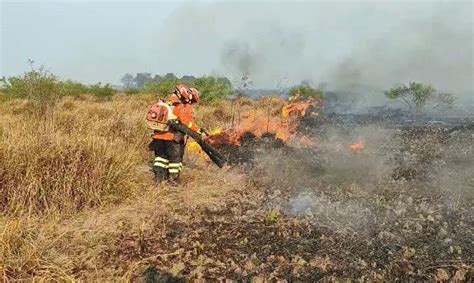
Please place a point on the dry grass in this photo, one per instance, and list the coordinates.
(80, 155)
(87, 245)
(71, 180)
(78, 203)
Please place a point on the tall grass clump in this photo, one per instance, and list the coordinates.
(29, 252)
(86, 155)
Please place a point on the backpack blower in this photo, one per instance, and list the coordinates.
(213, 154)
(160, 118)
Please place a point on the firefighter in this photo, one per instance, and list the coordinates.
(168, 144)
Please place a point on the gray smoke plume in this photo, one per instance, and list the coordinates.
(434, 47)
(356, 46)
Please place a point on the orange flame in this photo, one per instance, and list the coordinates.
(259, 122)
(357, 146)
(297, 109)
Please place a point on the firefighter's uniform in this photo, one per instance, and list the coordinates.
(169, 146)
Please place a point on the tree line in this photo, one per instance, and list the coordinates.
(45, 88)
(212, 88)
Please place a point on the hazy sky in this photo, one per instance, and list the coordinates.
(375, 43)
(87, 41)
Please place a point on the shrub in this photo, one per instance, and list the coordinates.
(72, 88)
(162, 88)
(39, 86)
(132, 91)
(305, 91)
(103, 92)
(213, 88)
(44, 89)
(3, 82)
(416, 96)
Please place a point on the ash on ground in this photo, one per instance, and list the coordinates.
(410, 188)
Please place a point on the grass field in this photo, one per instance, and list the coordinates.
(73, 180)
(78, 202)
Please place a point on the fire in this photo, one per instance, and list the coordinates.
(357, 146)
(193, 147)
(258, 122)
(298, 109)
(276, 117)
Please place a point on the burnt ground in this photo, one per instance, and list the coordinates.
(400, 209)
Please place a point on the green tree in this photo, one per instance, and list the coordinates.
(417, 95)
(127, 81)
(142, 78)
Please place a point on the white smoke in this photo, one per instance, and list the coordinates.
(368, 45)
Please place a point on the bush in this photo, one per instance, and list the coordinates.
(213, 89)
(103, 92)
(72, 88)
(416, 96)
(44, 89)
(161, 88)
(305, 91)
(39, 86)
(132, 91)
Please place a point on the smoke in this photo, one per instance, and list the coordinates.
(264, 47)
(358, 49)
(375, 187)
(348, 46)
(338, 213)
(331, 183)
(434, 47)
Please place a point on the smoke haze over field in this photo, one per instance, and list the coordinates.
(343, 44)
(346, 45)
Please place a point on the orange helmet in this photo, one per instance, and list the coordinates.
(195, 95)
(182, 92)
